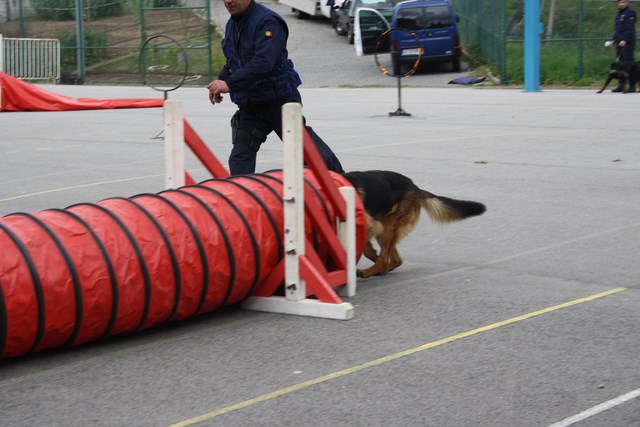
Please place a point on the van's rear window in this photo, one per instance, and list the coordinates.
(424, 18)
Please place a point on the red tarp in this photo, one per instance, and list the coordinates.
(17, 95)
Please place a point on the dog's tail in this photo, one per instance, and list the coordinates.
(444, 210)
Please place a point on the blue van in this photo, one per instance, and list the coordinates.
(431, 22)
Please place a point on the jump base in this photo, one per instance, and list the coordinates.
(305, 307)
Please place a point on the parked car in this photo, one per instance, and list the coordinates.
(370, 26)
(304, 9)
(432, 23)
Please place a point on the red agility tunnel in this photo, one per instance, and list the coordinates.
(91, 271)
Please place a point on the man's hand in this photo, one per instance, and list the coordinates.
(216, 89)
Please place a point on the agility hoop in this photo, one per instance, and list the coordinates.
(164, 63)
(416, 64)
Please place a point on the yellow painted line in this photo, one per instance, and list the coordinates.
(338, 374)
(91, 184)
(75, 187)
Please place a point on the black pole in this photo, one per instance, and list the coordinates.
(400, 111)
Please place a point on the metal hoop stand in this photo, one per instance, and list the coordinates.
(400, 112)
(143, 70)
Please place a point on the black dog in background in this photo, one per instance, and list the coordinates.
(623, 72)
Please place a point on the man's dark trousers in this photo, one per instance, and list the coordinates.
(250, 126)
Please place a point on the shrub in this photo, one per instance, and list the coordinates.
(65, 10)
(166, 3)
(95, 47)
(54, 10)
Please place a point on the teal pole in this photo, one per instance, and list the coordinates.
(581, 42)
(80, 39)
(21, 15)
(532, 30)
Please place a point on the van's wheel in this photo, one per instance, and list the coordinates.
(350, 34)
(455, 65)
(300, 14)
(334, 18)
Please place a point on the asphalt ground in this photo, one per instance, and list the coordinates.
(525, 316)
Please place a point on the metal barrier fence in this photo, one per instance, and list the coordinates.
(30, 59)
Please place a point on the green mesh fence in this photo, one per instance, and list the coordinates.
(572, 43)
(113, 32)
(482, 30)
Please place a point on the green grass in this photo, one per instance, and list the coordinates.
(564, 60)
(562, 64)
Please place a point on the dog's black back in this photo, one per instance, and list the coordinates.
(387, 186)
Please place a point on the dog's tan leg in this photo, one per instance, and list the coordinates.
(396, 261)
(379, 265)
(387, 241)
(396, 225)
(374, 229)
(370, 252)
(377, 269)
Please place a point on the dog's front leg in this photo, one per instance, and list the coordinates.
(606, 83)
(384, 262)
(370, 252)
(379, 266)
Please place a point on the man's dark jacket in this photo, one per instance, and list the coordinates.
(625, 25)
(258, 70)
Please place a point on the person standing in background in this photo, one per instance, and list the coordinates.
(624, 40)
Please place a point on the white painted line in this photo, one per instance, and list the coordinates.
(597, 409)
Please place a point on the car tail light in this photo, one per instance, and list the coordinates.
(456, 41)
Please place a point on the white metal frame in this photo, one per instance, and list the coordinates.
(295, 300)
(173, 144)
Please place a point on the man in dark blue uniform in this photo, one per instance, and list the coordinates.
(624, 40)
(260, 79)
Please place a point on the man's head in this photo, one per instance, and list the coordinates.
(237, 7)
(621, 4)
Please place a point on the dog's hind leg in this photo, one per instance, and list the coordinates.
(382, 263)
(370, 252)
(396, 225)
(386, 239)
(396, 261)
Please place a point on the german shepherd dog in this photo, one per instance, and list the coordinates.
(393, 204)
(623, 71)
